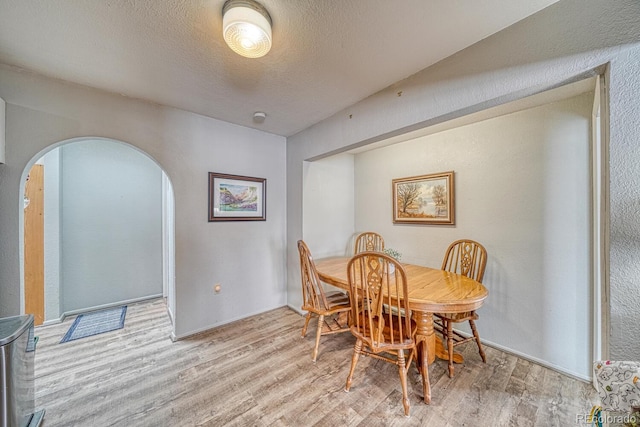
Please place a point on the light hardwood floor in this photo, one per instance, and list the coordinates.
(258, 372)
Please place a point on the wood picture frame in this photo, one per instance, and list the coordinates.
(425, 199)
(237, 198)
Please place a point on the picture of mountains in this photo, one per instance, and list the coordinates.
(236, 198)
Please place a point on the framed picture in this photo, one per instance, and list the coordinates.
(237, 198)
(425, 199)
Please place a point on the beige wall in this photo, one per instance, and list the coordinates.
(328, 204)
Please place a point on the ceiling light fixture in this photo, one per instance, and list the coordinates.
(246, 27)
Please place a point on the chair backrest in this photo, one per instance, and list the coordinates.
(368, 241)
(313, 297)
(377, 301)
(466, 257)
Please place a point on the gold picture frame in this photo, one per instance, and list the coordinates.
(425, 199)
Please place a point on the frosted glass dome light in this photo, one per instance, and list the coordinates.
(246, 27)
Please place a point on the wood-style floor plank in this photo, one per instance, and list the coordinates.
(258, 372)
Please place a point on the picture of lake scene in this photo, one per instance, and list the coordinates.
(426, 199)
(423, 200)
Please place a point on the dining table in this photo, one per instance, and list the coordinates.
(431, 291)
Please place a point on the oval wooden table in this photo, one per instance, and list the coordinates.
(430, 291)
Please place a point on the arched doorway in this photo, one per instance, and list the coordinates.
(107, 229)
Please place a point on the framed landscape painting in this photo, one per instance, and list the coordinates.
(237, 198)
(425, 199)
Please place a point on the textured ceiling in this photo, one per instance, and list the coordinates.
(326, 55)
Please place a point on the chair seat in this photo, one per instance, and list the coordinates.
(387, 331)
(618, 384)
(337, 299)
(459, 317)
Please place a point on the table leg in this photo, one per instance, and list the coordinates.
(424, 371)
(429, 347)
(426, 342)
(435, 347)
(425, 333)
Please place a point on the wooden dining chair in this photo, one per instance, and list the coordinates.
(382, 334)
(469, 258)
(368, 241)
(326, 305)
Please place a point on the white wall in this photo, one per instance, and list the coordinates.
(328, 211)
(522, 190)
(562, 43)
(51, 162)
(3, 106)
(328, 205)
(247, 258)
(111, 206)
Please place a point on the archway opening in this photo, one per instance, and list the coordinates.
(106, 236)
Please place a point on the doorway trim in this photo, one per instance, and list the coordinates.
(33, 232)
(600, 218)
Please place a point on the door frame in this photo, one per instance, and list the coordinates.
(600, 218)
(34, 254)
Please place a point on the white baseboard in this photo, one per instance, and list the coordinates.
(524, 356)
(175, 337)
(297, 310)
(96, 308)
